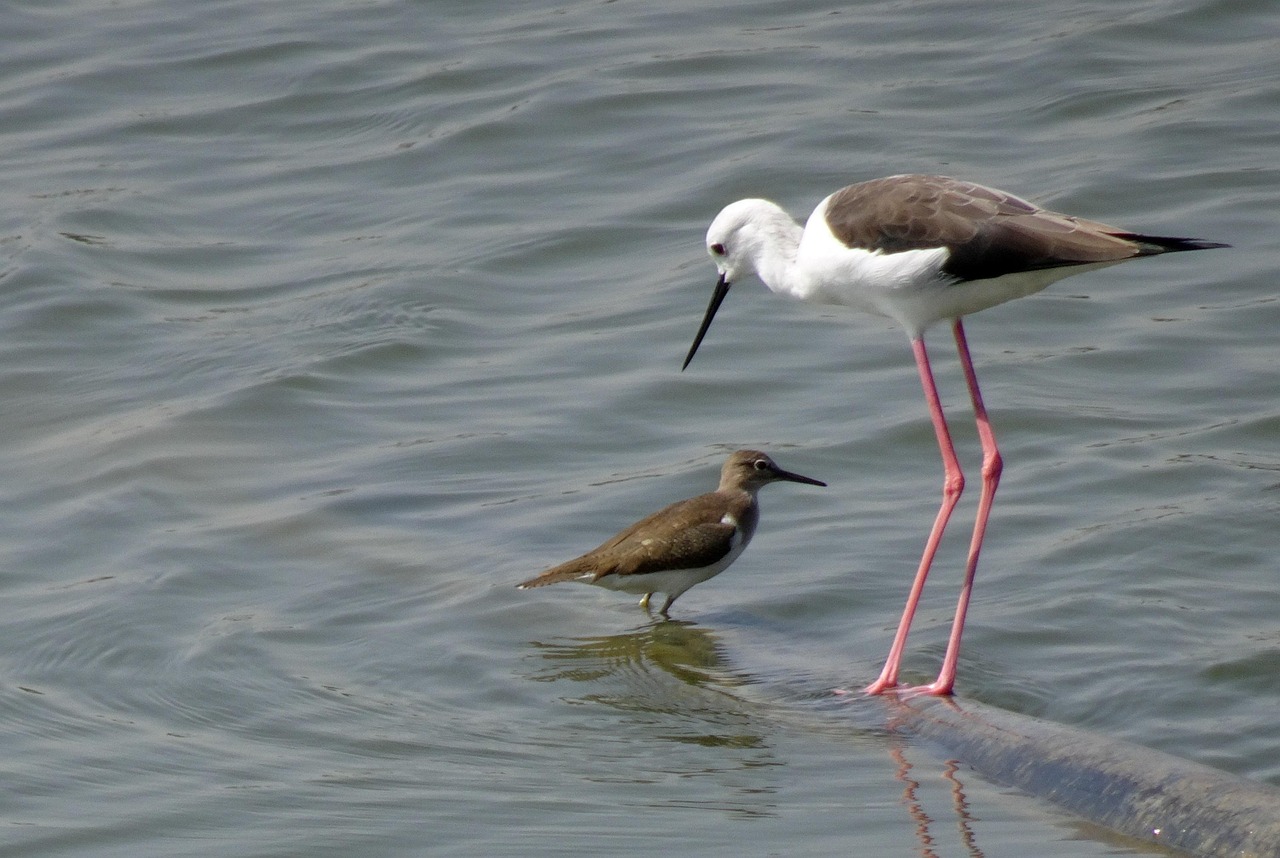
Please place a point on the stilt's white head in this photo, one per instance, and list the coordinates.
(745, 235)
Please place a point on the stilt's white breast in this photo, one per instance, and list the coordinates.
(831, 272)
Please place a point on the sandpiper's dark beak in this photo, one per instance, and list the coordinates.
(717, 298)
(780, 474)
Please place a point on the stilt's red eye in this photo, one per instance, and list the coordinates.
(717, 249)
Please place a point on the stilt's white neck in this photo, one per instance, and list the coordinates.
(766, 243)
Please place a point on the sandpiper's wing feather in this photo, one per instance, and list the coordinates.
(692, 529)
(696, 546)
(989, 233)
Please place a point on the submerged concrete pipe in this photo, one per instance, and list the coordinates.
(1136, 791)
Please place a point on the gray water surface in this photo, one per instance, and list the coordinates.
(324, 324)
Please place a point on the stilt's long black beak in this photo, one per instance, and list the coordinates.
(717, 298)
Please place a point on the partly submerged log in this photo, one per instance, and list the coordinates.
(1136, 791)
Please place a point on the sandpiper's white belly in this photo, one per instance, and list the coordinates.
(672, 581)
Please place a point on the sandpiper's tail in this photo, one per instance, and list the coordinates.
(574, 570)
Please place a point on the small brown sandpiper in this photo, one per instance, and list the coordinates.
(685, 543)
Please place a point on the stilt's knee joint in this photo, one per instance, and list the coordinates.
(992, 467)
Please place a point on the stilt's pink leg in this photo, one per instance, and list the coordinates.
(952, 486)
(992, 465)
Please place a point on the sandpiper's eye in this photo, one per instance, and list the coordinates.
(760, 465)
(717, 249)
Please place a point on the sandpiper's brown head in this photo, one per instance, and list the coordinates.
(751, 470)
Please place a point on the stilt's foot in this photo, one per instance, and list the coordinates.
(890, 686)
(880, 686)
(933, 689)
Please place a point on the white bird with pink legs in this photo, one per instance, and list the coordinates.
(921, 250)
